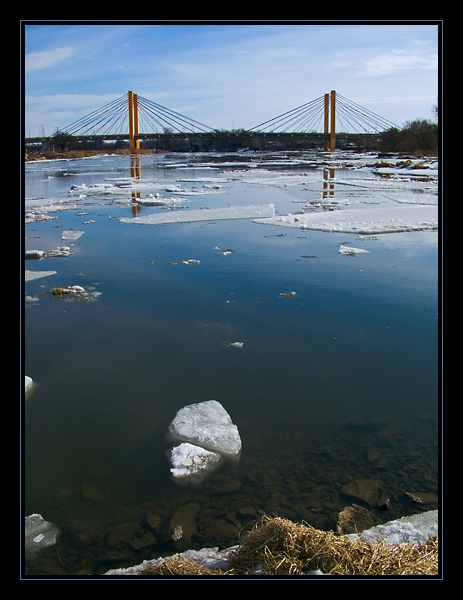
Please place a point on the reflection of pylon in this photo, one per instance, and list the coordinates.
(133, 122)
(330, 144)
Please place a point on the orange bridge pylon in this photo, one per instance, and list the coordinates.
(133, 122)
(329, 143)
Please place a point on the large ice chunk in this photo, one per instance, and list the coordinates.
(208, 425)
(38, 535)
(191, 464)
(415, 529)
(205, 214)
(364, 220)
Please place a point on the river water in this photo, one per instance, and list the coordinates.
(336, 381)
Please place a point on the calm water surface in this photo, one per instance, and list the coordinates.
(334, 384)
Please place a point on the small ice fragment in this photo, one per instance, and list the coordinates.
(236, 344)
(34, 254)
(349, 251)
(28, 385)
(71, 235)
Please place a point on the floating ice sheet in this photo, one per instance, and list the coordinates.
(205, 214)
(208, 425)
(71, 235)
(363, 220)
(31, 275)
(158, 200)
(350, 251)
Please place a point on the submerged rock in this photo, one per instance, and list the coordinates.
(368, 490)
(182, 525)
(355, 518)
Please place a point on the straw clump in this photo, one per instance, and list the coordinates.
(281, 547)
(180, 565)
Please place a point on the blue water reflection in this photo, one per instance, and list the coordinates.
(346, 364)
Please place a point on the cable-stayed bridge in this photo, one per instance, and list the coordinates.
(134, 118)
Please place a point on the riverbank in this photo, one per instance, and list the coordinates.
(73, 154)
(280, 547)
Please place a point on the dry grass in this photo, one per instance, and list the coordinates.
(181, 565)
(281, 547)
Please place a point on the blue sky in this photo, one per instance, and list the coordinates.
(228, 75)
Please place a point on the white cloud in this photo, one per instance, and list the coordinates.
(65, 101)
(397, 61)
(36, 61)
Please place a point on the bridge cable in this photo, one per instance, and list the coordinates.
(87, 122)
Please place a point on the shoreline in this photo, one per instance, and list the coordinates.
(409, 534)
(76, 154)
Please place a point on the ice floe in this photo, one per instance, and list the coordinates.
(192, 464)
(71, 235)
(204, 435)
(236, 344)
(363, 220)
(31, 275)
(28, 386)
(208, 425)
(350, 251)
(415, 529)
(37, 209)
(204, 214)
(158, 200)
(38, 535)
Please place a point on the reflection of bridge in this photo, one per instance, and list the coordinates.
(134, 118)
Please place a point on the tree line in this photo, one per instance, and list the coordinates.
(416, 137)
